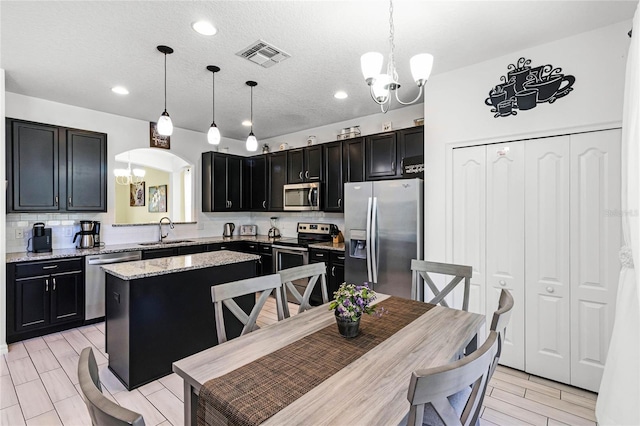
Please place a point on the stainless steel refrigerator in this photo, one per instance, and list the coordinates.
(383, 232)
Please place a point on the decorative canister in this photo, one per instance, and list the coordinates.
(311, 140)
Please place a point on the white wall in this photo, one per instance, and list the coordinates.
(455, 112)
(3, 202)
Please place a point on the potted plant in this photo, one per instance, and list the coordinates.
(350, 302)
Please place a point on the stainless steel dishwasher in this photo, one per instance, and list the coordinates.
(95, 279)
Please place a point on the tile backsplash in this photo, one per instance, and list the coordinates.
(64, 226)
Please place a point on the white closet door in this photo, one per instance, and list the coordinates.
(547, 260)
(595, 242)
(469, 243)
(505, 242)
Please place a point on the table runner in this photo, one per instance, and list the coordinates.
(256, 391)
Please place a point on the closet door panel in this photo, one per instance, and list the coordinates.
(469, 221)
(547, 263)
(595, 243)
(505, 242)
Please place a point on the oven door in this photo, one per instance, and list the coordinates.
(290, 257)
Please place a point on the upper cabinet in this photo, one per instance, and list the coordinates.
(385, 153)
(333, 182)
(353, 160)
(221, 182)
(55, 169)
(255, 183)
(304, 164)
(277, 169)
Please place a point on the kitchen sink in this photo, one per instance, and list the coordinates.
(164, 243)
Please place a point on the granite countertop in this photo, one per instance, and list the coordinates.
(328, 246)
(118, 248)
(170, 265)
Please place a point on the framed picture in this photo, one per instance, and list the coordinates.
(158, 199)
(136, 194)
(156, 140)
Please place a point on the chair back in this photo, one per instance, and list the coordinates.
(420, 270)
(223, 294)
(314, 272)
(102, 410)
(500, 321)
(468, 376)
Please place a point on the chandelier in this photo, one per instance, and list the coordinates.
(128, 176)
(381, 85)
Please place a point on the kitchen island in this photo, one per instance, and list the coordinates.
(160, 310)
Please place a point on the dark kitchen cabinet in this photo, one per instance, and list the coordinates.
(410, 144)
(333, 185)
(200, 248)
(277, 168)
(304, 165)
(255, 183)
(266, 259)
(221, 182)
(353, 160)
(380, 156)
(86, 171)
(55, 169)
(336, 272)
(44, 297)
(158, 253)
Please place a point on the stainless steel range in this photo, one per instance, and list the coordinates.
(291, 252)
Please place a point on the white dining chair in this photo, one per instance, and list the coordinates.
(420, 270)
(314, 272)
(500, 321)
(223, 294)
(102, 411)
(452, 394)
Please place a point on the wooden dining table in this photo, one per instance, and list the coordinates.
(371, 389)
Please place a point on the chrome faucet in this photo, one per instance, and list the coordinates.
(162, 237)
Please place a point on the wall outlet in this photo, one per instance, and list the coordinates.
(68, 231)
(19, 234)
(386, 126)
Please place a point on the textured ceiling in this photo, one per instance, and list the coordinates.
(74, 52)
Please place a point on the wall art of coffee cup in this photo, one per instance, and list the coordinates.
(495, 98)
(550, 85)
(505, 108)
(526, 99)
(509, 87)
(519, 77)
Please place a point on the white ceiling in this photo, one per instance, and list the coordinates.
(74, 52)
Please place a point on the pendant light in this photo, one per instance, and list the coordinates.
(165, 126)
(213, 136)
(252, 142)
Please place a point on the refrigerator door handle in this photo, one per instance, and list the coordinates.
(368, 242)
(374, 238)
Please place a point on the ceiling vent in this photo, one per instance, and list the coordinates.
(263, 54)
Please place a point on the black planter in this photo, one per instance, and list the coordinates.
(347, 327)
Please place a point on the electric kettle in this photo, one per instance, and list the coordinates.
(228, 229)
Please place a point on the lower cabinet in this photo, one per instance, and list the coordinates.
(45, 297)
(334, 260)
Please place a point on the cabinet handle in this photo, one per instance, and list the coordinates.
(393, 165)
(402, 165)
(46, 284)
(339, 202)
(319, 255)
(56, 200)
(550, 289)
(341, 257)
(502, 283)
(300, 175)
(230, 204)
(50, 267)
(223, 248)
(264, 204)
(333, 271)
(306, 174)
(70, 203)
(54, 284)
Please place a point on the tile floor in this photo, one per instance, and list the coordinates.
(39, 386)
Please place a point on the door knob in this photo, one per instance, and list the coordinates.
(550, 289)
(502, 283)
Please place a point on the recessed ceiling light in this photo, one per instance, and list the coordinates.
(246, 123)
(204, 28)
(120, 90)
(340, 95)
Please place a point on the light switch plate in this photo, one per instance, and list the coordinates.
(386, 126)
(19, 233)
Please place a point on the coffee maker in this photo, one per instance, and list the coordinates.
(41, 239)
(86, 235)
(96, 233)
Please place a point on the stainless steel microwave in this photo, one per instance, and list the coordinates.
(302, 197)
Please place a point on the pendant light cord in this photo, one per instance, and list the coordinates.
(251, 109)
(165, 82)
(213, 97)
